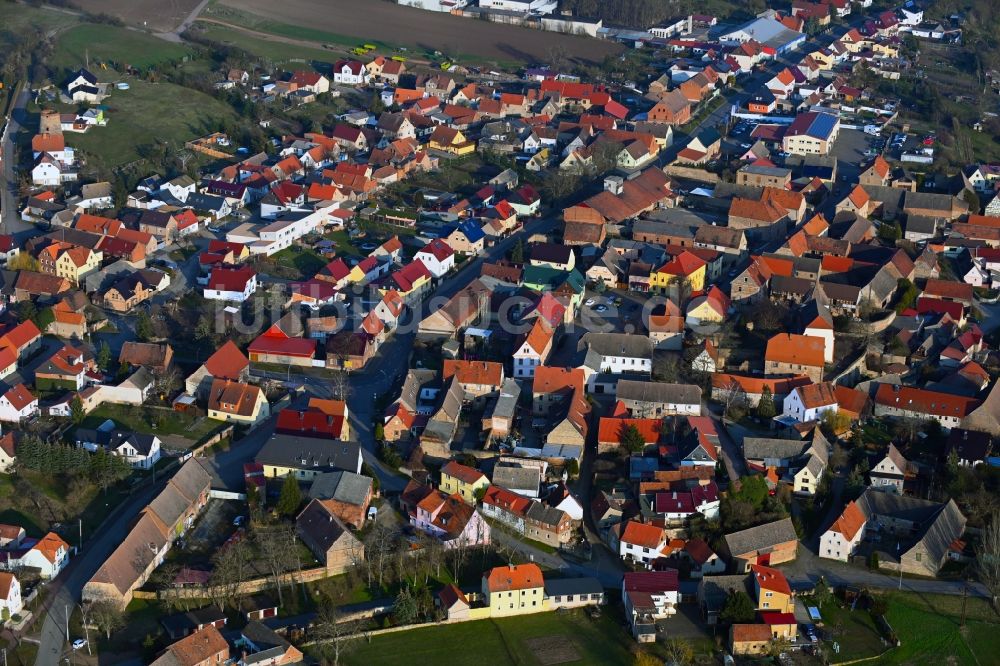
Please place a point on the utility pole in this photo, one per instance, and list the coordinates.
(66, 607)
(80, 522)
(965, 599)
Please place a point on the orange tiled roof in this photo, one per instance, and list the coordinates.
(643, 534)
(850, 521)
(797, 349)
(486, 373)
(514, 577)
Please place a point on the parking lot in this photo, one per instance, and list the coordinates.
(853, 149)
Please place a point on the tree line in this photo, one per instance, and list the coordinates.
(102, 468)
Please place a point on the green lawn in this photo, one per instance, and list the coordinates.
(499, 642)
(107, 43)
(146, 113)
(152, 421)
(855, 631)
(299, 262)
(345, 246)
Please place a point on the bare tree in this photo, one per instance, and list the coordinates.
(276, 551)
(340, 385)
(379, 547)
(733, 399)
(334, 634)
(678, 652)
(988, 558)
(233, 566)
(107, 615)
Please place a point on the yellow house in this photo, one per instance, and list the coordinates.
(410, 279)
(515, 590)
(237, 402)
(463, 481)
(710, 308)
(885, 49)
(451, 140)
(823, 58)
(685, 267)
(771, 590)
(72, 262)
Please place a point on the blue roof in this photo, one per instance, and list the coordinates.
(472, 231)
(822, 125)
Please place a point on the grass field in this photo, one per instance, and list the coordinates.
(153, 14)
(500, 642)
(109, 43)
(273, 51)
(20, 18)
(145, 113)
(928, 627)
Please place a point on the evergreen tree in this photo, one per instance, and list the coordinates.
(76, 411)
(144, 326)
(632, 440)
(517, 253)
(104, 357)
(738, 608)
(290, 498)
(765, 407)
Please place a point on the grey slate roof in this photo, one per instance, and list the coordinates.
(760, 537)
(516, 478)
(346, 487)
(319, 455)
(620, 344)
(658, 392)
(565, 586)
(759, 448)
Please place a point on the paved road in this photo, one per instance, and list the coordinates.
(65, 590)
(11, 222)
(175, 34)
(809, 567)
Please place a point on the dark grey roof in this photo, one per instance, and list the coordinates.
(346, 487)
(786, 284)
(564, 586)
(620, 344)
(759, 448)
(658, 392)
(319, 528)
(318, 455)
(513, 477)
(922, 224)
(268, 643)
(713, 590)
(760, 537)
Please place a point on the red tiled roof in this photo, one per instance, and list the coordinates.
(228, 362)
(770, 579)
(922, 401)
(514, 577)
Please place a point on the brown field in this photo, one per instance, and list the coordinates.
(552, 650)
(159, 15)
(395, 24)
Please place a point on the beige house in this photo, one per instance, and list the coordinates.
(237, 402)
(328, 538)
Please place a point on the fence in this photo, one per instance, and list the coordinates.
(251, 586)
(213, 439)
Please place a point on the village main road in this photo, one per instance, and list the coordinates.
(11, 222)
(64, 591)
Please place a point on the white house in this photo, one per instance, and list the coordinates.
(350, 72)
(889, 474)
(641, 542)
(180, 187)
(806, 480)
(840, 541)
(649, 596)
(231, 284)
(438, 257)
(809, 402)
(10, 596)
(620, 353)
(50, 172)
(141, 451)
(535, 349)
(18, 404)
(49, 555)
